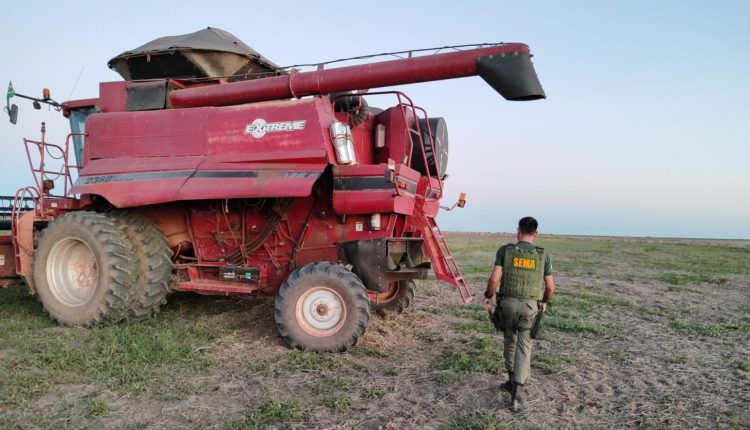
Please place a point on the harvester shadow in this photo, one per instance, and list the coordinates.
(251, 317)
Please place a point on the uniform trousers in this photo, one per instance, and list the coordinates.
(518, 315)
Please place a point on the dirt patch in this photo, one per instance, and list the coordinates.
(634, 339)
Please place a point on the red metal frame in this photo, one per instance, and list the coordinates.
(40, 173)
(302, 236)
(325, 81)
(46, 206)
(418, 133)
(274, 199)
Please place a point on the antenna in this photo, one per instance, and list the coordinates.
(76, 84)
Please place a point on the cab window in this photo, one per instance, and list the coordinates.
(78, 125)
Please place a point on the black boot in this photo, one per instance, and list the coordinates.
(515, 397)
(508, 385)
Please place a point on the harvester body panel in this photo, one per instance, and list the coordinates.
(149, 157)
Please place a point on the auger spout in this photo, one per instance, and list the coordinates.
(507, 68)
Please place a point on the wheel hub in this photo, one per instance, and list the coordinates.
(321, 311)
(388, 294)
(72, 271)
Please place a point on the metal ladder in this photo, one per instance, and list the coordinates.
(446, 268)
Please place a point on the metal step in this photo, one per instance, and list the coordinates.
(207, 286)
(446, 268)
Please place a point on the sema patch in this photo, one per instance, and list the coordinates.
(524, 263)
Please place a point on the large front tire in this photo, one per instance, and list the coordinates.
(322, 307)
(84, 270)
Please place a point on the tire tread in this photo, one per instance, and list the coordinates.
(114, 305)
(360, 311)
(153, 262)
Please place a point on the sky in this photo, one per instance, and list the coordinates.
(645, 131)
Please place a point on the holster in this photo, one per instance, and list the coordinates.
(536, 328)
(497, 315)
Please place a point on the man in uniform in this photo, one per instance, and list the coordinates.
(526, 273)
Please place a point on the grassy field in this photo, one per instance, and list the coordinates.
(650, 333)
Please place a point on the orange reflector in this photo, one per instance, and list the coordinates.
(461, 200)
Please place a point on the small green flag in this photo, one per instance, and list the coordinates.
(11, 91)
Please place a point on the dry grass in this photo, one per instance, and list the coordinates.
(643, 333)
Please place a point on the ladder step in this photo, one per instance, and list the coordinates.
(449, 272)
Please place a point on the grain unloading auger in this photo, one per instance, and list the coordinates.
(209, 169)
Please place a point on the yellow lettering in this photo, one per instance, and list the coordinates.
(524, 263)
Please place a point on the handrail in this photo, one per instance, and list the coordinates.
(405, 103)
(42, 173)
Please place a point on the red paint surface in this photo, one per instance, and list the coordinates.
(215, 190)
(7, 258)
(374, 75)
(205, 140)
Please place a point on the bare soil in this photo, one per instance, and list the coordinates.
(642, 333)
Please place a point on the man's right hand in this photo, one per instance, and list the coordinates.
(488, 304)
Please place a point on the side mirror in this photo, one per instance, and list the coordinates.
(13, 114)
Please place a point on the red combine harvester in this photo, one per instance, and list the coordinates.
(210, 169)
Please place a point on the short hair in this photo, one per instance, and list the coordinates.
(527, 225)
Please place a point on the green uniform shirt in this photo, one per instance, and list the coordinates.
(500, 258)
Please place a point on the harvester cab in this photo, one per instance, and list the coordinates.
(211, 169)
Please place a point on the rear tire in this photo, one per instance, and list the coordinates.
(436, 160)
(153, 262)
(84, 270)
(322, 307)
(397, 298)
